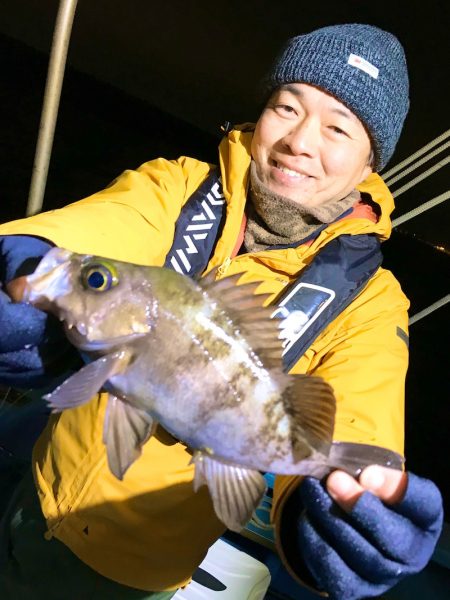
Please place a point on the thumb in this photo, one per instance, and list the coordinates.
(388, 484)
(16, 287)
(344, 489)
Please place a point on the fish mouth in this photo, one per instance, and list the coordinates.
(81, 341)
(49, 279)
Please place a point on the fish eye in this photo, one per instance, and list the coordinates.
(99, 277)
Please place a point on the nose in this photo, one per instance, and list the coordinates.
(302, 138)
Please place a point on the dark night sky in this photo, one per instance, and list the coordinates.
(202, 62)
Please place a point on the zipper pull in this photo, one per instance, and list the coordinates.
(224, 266)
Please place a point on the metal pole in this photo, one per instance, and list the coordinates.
(417, 164)
(427, 311)
(55, 75)
(410, 159)
(421, 177)
(420, 209)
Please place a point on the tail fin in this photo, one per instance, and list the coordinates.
(353, 458)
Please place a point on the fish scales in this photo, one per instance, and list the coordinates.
(201, 358)
(183, 377)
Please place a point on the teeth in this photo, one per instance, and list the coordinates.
(82, 328)
(290, 172)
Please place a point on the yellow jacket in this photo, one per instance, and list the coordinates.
(151, 530)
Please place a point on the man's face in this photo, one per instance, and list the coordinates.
(309, 147)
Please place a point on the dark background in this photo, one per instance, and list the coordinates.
(147, 79)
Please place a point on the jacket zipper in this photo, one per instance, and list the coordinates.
(224, 266)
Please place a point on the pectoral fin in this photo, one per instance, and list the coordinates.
(125, 430)
(235, 491)
(85, 383)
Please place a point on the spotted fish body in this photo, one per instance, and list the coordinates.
(202, 358)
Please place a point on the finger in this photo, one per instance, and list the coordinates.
(16, 287)
(344, 489)
(21, 325)
(330, 570)
(396, 536)
(422, 504)
(333, 548)
(388, 484)
(370, 531)
(21, 369)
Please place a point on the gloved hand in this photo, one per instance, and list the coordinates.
(33, 348)
(368, 546)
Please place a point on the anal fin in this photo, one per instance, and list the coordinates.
(235, 491)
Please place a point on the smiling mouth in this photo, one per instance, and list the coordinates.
(290, 172)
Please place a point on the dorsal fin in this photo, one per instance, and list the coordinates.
(207, 279)
(209, 282)
(311, 405)
(246, 310)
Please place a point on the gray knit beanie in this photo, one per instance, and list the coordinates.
(363, 67)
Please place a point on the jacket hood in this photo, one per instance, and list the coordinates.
(235, 157)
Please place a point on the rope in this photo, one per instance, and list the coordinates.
(427, 311)
(420, 209)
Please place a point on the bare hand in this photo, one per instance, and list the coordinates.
(15, 288)
(388, 484)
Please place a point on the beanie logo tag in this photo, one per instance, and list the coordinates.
(361, 63)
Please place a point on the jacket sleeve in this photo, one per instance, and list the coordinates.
(364, 356)
(133, 219)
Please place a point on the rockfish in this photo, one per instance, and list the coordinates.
(202, 358)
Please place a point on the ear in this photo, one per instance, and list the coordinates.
(365, 173)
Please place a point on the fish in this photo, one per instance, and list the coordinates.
(200, 357)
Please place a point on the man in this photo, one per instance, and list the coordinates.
(294, 185)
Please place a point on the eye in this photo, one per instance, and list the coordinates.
(285, 110)
(338, 130)
(99, 277)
